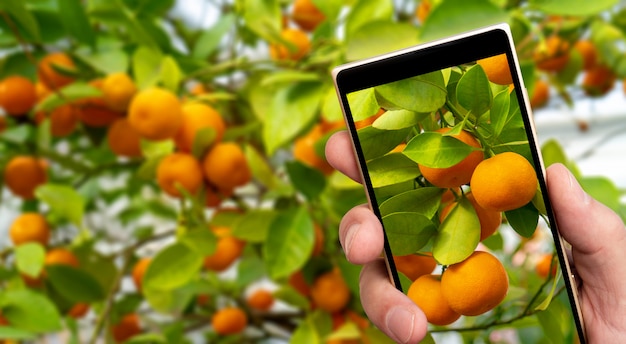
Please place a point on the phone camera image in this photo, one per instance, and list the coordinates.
(451, 168)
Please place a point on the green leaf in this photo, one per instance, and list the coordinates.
(91, 260)
(423, 93)
(573, 7)
(309, 181)
(292, 109)
(292, 297)
(76, 22)
(254, 225)
(200, 239)
(31, 311)
(202, 141)
(423, 201)
(146, 66)
(170, 74)
(399, 119)
(551, 324)
(209, 40)
(500, 112)
(72, 92)
(524, 220)
(473, 91)
(553, 153)
(373, 39)
(73, 284)
(391, 169)
(261, 169)
(17, 9)
(435, 150)
(331, 109)
(455, 16)
(366, 11)
(375, 142)
(363, 104)
(170, 301)
(29, 258)
(289, 242)
(459, 234)
(408, 232)
(7, 332)
(603, 190)
(172, 267)
(63, 201)
(263, 17)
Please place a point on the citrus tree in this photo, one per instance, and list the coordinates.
(166, 183)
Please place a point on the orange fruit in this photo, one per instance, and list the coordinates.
(306, 15)
(261, 300)
(475, 285)
(298, 46)
(228, 250)
(118, 90)
(61, 256)
(30, 227)
(179, 170)
(23, 174)
(156, 114)
(504, 182)
(304, 150)
(415, 265)
(427, 293)
(541, 94)
(369, 120)
(545, 266)
(128, 326)
(598, 80)
(459, 174)
(553, 55)
(489, 220)
(41, 90)
(299, 283)
(94, 111)
(423, 10)
(123, 139)
(225, 166)
(229, 320)
(17, 95)
(79, 310)
(449, 196)
(589, 53)
(49, 76)
(139, 270)
(198, 116)
(330, 292)
(63, 120)
(497, 69)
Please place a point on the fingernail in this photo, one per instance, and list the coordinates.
(350, 235)
(400, 323)
(577, 190)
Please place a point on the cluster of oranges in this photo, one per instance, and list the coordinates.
(503, 182)
(31, 227)
(295, 42)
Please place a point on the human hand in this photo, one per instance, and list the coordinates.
(361, 237)
(596, 233)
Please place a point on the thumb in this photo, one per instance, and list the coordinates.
(596, 233)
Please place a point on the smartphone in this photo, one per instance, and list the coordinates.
(445, 141)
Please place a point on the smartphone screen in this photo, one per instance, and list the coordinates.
(446, 145)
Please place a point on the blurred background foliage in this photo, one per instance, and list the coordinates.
(263, 67)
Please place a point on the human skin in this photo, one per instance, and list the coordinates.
(596, 233)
